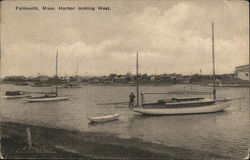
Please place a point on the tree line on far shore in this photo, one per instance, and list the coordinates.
(129, 78)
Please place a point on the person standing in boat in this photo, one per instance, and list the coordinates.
(131, 100)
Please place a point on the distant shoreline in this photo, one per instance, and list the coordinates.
(241, 85)
(60, 143)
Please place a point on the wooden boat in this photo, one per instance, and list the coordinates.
(48, 97)
(15, 94)
(184, 105)
(104, 118)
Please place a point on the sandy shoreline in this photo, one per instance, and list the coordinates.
(60, 143)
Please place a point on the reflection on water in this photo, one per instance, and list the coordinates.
(224, 133)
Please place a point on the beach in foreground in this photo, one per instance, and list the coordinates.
(60, 143)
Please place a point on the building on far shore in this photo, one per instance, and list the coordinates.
(43, 78)
(242, 72)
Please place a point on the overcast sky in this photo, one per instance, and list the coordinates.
(170, 36)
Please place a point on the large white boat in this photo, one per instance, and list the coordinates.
(185, 109)
(48, 97)
(186, 105)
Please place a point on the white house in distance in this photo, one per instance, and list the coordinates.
(242, 72)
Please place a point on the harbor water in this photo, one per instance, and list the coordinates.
(225, 133)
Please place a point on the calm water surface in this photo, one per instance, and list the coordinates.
(225, 133)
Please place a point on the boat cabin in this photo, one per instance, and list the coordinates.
(180, 99)
(14, 93)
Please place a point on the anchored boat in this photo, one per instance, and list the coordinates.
(45, 98)
(75, 84)
(185, 108)
(186, 105)
(48, 97)
(15, 94)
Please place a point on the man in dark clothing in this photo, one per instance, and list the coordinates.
(131, 99)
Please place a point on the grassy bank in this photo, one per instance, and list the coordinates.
(59, 143)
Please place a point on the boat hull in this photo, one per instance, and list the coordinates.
(219, 106)
(46, 99)
(182, 104)
(104, 118)
(15, 97)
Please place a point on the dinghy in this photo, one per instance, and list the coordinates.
(104, 118)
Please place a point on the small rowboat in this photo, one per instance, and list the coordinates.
(104, 118)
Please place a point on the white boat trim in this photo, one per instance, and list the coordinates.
(219, 106)
(46, 99)
(17, 96)
(104, 118)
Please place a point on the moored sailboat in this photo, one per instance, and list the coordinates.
(75, 84)
(48, 97)
(186, 105)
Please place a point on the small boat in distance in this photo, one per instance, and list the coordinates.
(15, 94)
(185, 105)
(48, 97)
(104, 118)
(74, 84)
(71, 85)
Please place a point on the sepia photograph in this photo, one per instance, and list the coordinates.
(124, 79)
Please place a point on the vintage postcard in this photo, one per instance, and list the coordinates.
(125, 79)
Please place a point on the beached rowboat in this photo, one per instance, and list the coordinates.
(104, 118)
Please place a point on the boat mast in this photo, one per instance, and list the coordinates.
(214, 88)
(77, 69)
(56, 69)
(137, 80)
